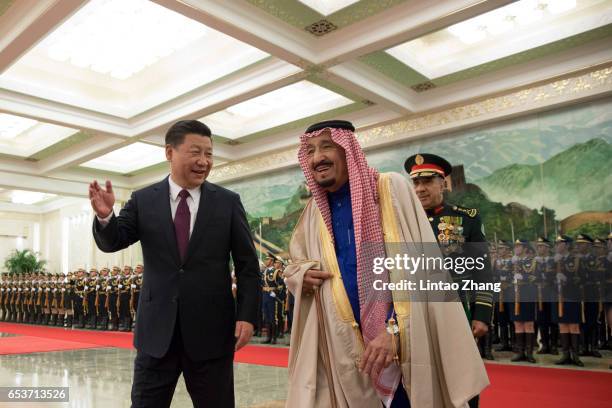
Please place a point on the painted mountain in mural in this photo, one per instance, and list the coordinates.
(572, 181)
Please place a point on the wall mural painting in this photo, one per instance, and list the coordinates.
(538, 175)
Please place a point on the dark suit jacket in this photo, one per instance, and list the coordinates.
(200, 287)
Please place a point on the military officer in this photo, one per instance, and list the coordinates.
(459, 233)
(3, 294)
(279, 265)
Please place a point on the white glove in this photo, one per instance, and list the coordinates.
(561, 277)
(518, 276)
(120, 286)
(9, 289)
(63, 289)
(54, 290)
(108, 288)
(86, 287)
(97, 286)
(19, 289)
(272, 294)
(133, 286)
(48, 289)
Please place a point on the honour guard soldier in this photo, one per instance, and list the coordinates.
(26, 298)
(123, 300)
(3, 294)
(272, 285)
(592, 280)
(90, 295)
(503, 273)
(568, 310)
(608, 289)
(523, 310)
(69, 299)
(103, 300)
(135, 293)
(62, 304)
(600, 268)
(269, 263)
(545, 274)
(48, 296)
(79, 298)
(113, 297)
(39, 298)
(281, 298)
(55, 292)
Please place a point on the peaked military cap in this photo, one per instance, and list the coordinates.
(427, 165)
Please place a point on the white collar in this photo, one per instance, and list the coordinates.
(175, 189)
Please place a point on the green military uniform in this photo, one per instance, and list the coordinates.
(454, 227)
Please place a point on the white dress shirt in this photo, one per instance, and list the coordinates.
(193, 202)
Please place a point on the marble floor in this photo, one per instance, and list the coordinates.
(101, 377)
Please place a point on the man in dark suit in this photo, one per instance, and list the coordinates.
(187, 318)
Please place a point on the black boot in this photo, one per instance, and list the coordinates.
(104, 323)
(125, 324)
(545, 340)
(81, 323)
(583, 344)
(505, 341)
(488, 343)
(529, 343)
(274, 333)
(575, 341)
(68, 323)
(554, 339)
(61, 320)
(519, 354)
(595, 342)
(566, 358)
(269, 339)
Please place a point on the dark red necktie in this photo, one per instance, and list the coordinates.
(182, 222)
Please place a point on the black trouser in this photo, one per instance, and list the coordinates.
(210, 383)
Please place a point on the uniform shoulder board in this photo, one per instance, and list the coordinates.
(470, 212)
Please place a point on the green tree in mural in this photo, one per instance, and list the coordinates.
(506, 221)
(23, 262)
(593, 229)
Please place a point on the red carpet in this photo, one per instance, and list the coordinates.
(31, 344)
(511, 386)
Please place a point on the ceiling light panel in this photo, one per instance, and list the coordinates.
(284, 105)
(107, 55)
(24, 137)
(327, 7)
(28, 197)
(128, 158)
(506, 31)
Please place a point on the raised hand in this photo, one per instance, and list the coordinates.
(102, 200)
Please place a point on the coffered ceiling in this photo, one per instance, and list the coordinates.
(88, 88)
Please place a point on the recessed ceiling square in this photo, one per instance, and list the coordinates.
(284, 105)
(23, 137)
(123, 57)
(506, 31)
(327, 7)
(128, 158)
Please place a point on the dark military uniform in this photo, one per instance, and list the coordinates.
(3, 294)
(568, 308)
(502, 273)
(135, 291)
(113, 295)
(545, 284)
(90, 295)
(123, 306)
(592, 276)
(102, 299)
(79, 299)
(454, 227)
(272, 285)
